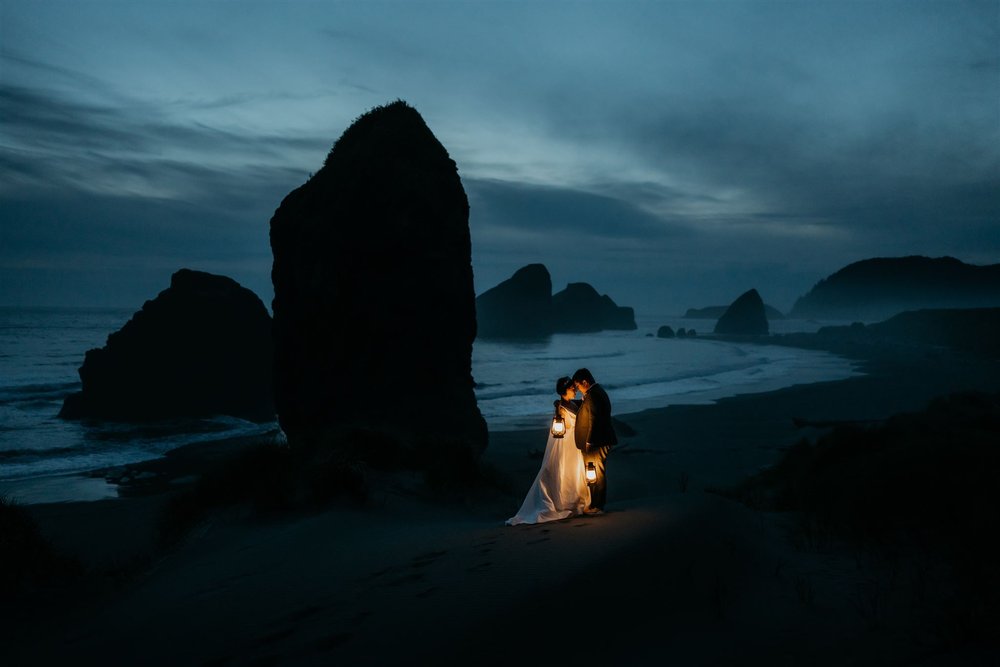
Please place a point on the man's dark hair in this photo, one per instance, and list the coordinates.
(563, 383)
(584, 375)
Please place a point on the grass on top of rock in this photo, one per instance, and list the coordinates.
(919, 483)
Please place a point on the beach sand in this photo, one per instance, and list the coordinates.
(671, 574)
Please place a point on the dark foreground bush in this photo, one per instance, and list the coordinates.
(28, 560)
(925, 481)
(316, 471)
(452, 471)
(268, 478)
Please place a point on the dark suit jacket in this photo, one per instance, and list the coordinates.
(593, 421)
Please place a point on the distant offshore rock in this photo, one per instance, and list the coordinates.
(519, 307)
(665, 332)
(374, 304)
(745, 317)
(875, 289)
(523, 306)
(580, 309)
(202, 347)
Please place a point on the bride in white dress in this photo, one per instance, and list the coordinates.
(560, 489)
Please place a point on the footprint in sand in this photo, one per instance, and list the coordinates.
(423, 560)
(484, 547)
(543, 539)
(406, 579)
(378, 573)
(480, 567)
(427, 592)
(361, 616)
(276, 636)
(333, 641)
(429, 556)
(304, 613)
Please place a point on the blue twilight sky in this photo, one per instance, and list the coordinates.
(672, 154)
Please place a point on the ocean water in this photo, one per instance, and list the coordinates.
(41, 351)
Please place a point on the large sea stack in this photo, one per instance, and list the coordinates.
(580, 309)
(374, 304)
(202, 347)
(519, 307)
(744, 317)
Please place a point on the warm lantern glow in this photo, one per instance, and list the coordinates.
(558, 426)
(591, 473)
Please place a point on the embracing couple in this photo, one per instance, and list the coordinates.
(561, 489)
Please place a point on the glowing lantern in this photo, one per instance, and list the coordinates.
(558, 425)
(591, 472)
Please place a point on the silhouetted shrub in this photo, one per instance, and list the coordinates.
(27, 559)
(269, 479)
(925, 480)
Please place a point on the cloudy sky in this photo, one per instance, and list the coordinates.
(672, 154)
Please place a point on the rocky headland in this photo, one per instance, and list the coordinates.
(968, 331)
(875, 289)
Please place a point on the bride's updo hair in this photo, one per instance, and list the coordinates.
(562, 384)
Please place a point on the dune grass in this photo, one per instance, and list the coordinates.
(921, 484)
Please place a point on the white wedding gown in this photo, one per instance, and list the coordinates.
(560, 489)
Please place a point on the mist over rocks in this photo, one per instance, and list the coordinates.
(519, 307)
(875, 289)
(202, 347)
(374, 305)
(580, 309)
(744, 317)
(715, 312)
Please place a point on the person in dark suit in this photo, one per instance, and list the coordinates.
(595, 436)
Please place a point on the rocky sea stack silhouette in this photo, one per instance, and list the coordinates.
(580, 309)
(745, 317)
(519, 307)
(202, 347)
(523, 306)
(374, 304)
(666, 331)
(875, 289)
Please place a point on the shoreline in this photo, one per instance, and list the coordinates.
(381, 584)
(85, 486)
